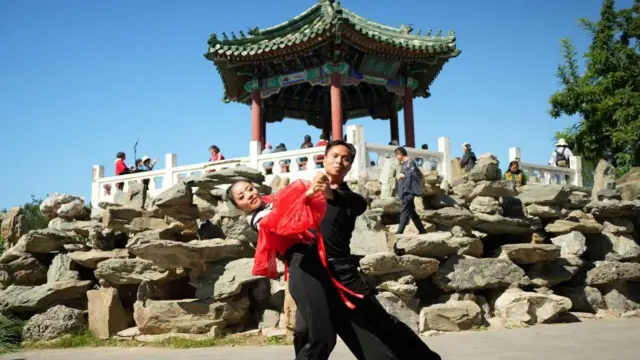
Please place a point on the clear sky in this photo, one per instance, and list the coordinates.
(81, 80)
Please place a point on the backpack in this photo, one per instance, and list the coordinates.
(561, 159)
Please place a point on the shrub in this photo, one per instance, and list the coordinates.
(10, 334)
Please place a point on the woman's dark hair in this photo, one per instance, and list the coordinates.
(138, 161)
(400, 150)
(217, 149)
(425, 147)
(514, 162)
(230, 191)
(350, 147)
(120, 155)
(307, 138)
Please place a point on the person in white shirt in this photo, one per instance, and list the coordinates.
(560, 157)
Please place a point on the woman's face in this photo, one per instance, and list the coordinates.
(515, 167)
(246, 197)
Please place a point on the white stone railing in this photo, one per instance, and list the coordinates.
(546, 174)
(292, 164)
(104, 188)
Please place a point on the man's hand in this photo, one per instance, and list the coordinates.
(320, 183)
(401, 176)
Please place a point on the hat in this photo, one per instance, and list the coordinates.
(466, 145)
(145, 158)
(562, 142)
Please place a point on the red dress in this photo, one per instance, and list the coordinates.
(292, 217)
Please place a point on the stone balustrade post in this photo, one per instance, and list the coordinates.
(170, 162)
(515, 154)
(255, 148)
(444, 147)
(97, 174)
(355, 136)
(575, 163)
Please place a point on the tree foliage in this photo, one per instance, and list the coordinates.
(606, 96)
(34, 218)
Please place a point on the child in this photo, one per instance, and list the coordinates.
(287, 225)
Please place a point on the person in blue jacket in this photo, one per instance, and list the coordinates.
(409, 186)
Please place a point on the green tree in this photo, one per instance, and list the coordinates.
(606, 96)
(34, 218)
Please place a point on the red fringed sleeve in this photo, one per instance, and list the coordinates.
(293, 214)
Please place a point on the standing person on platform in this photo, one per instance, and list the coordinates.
(366, 327)
(323, 142)
(409, 186)
(469, 159)
(121, 168)
(216, 155)
(390, 170)
(560, 157)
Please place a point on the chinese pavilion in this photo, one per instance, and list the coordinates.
(329, 55)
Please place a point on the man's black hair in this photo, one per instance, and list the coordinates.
(230, 191)
(401, 150)
(120, 155)
(352, 149)
(214, 147)
(425, 147)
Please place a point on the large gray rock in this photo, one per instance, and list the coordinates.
(366, 242)
(35, 298)
(565, 226)
(118, 217)
(106, 314)
(174, 254)
(46, 241)
(404, 310)
(485, 205)
(622, 297)
(450, 316)
(530, 253)
(449, 216)
(530, 308)
(55, 322)
(389, 206)
(439, 245)
(494, 189)
(571, 244)
(583, 298)
(238, 229)
(402, 285)
(224, 279)
(468, 274)
(13, 226)
(63, 205)
(544, 194)
(208, 181)
(131, 271)
(543, 211)
(91, 259)
(191, 316)
(464, 189)
(613, 208)
(606, 272)
(81, 228)
(497, 224)
(485, 169)
(388, 263)
(23, 270)
(577, 200)
(178, 195)
(549, 274)
(610, 247)
(629, 185)
(604, 178)
(62, 269)
(618, 226)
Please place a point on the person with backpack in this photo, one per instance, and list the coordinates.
(410, 185)
(560, 157)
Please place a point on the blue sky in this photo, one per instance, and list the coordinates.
(81, 80)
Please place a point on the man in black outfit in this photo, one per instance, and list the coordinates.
(368, 330)
(409, 186)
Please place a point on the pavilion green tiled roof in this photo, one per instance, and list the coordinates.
(320, 24)
(316, 22)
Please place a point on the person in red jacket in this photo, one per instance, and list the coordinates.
(216, 155)
(121, 167)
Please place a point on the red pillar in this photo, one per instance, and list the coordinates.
(409, 136)
(263, 132)
(256, 116)
(393, 124)
(336, 106)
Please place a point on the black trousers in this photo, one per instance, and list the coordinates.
(409, 212)
(322, 315)
(368, 330)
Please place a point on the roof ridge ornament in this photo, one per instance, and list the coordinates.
(406, 29)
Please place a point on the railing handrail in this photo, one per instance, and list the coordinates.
(377, 148)
(547, 168)
(291, 153)
(134, 176)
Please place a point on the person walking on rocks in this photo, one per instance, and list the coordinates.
(410, 183)
(367, 329)
(468, 160)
